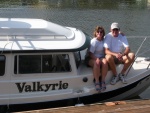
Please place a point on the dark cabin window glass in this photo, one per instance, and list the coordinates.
(2, 65)
(60, 63)
(26, 64)
(29, 64)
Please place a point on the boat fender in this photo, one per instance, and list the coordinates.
(85, 79)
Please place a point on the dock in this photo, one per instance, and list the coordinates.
(128, 106)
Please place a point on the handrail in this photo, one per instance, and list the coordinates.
(140, 46)
(34, 37)
(137, 55)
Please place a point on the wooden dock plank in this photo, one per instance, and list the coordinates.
(131, 106)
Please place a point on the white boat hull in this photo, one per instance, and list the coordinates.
(28, 91)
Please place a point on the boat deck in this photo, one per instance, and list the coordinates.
(131, 106)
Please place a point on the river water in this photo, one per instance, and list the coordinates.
(132, 15)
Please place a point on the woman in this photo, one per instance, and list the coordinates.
(97, 58)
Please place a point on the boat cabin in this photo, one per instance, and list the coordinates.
(39, 57)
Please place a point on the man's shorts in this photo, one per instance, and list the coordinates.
(117, 61)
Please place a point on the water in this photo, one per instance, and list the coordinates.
(132, 15)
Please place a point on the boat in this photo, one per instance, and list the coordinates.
(43, 62)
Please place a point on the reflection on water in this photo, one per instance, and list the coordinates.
(100, 4)
(93, 4)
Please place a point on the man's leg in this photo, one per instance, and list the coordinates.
(111, 62)
(128, 59)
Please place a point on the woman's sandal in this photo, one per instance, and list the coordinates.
(98, 88)
(103, 86)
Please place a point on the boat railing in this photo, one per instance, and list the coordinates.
(10, 39)
(141, 45)
(32, 37)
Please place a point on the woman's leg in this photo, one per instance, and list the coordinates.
(104, 73)
(96, 70)
(96, 73)
(104, 69)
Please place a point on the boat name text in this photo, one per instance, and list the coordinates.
(37, 86)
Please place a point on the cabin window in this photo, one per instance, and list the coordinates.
(26, 64)
(2, 65)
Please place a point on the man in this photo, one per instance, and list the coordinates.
(117, 51)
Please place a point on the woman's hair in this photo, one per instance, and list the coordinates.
(97, 29)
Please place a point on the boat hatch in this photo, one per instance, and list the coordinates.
(20, 26)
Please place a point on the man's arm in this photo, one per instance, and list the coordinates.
(126, 51)
(117, 55)
(107, 51)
